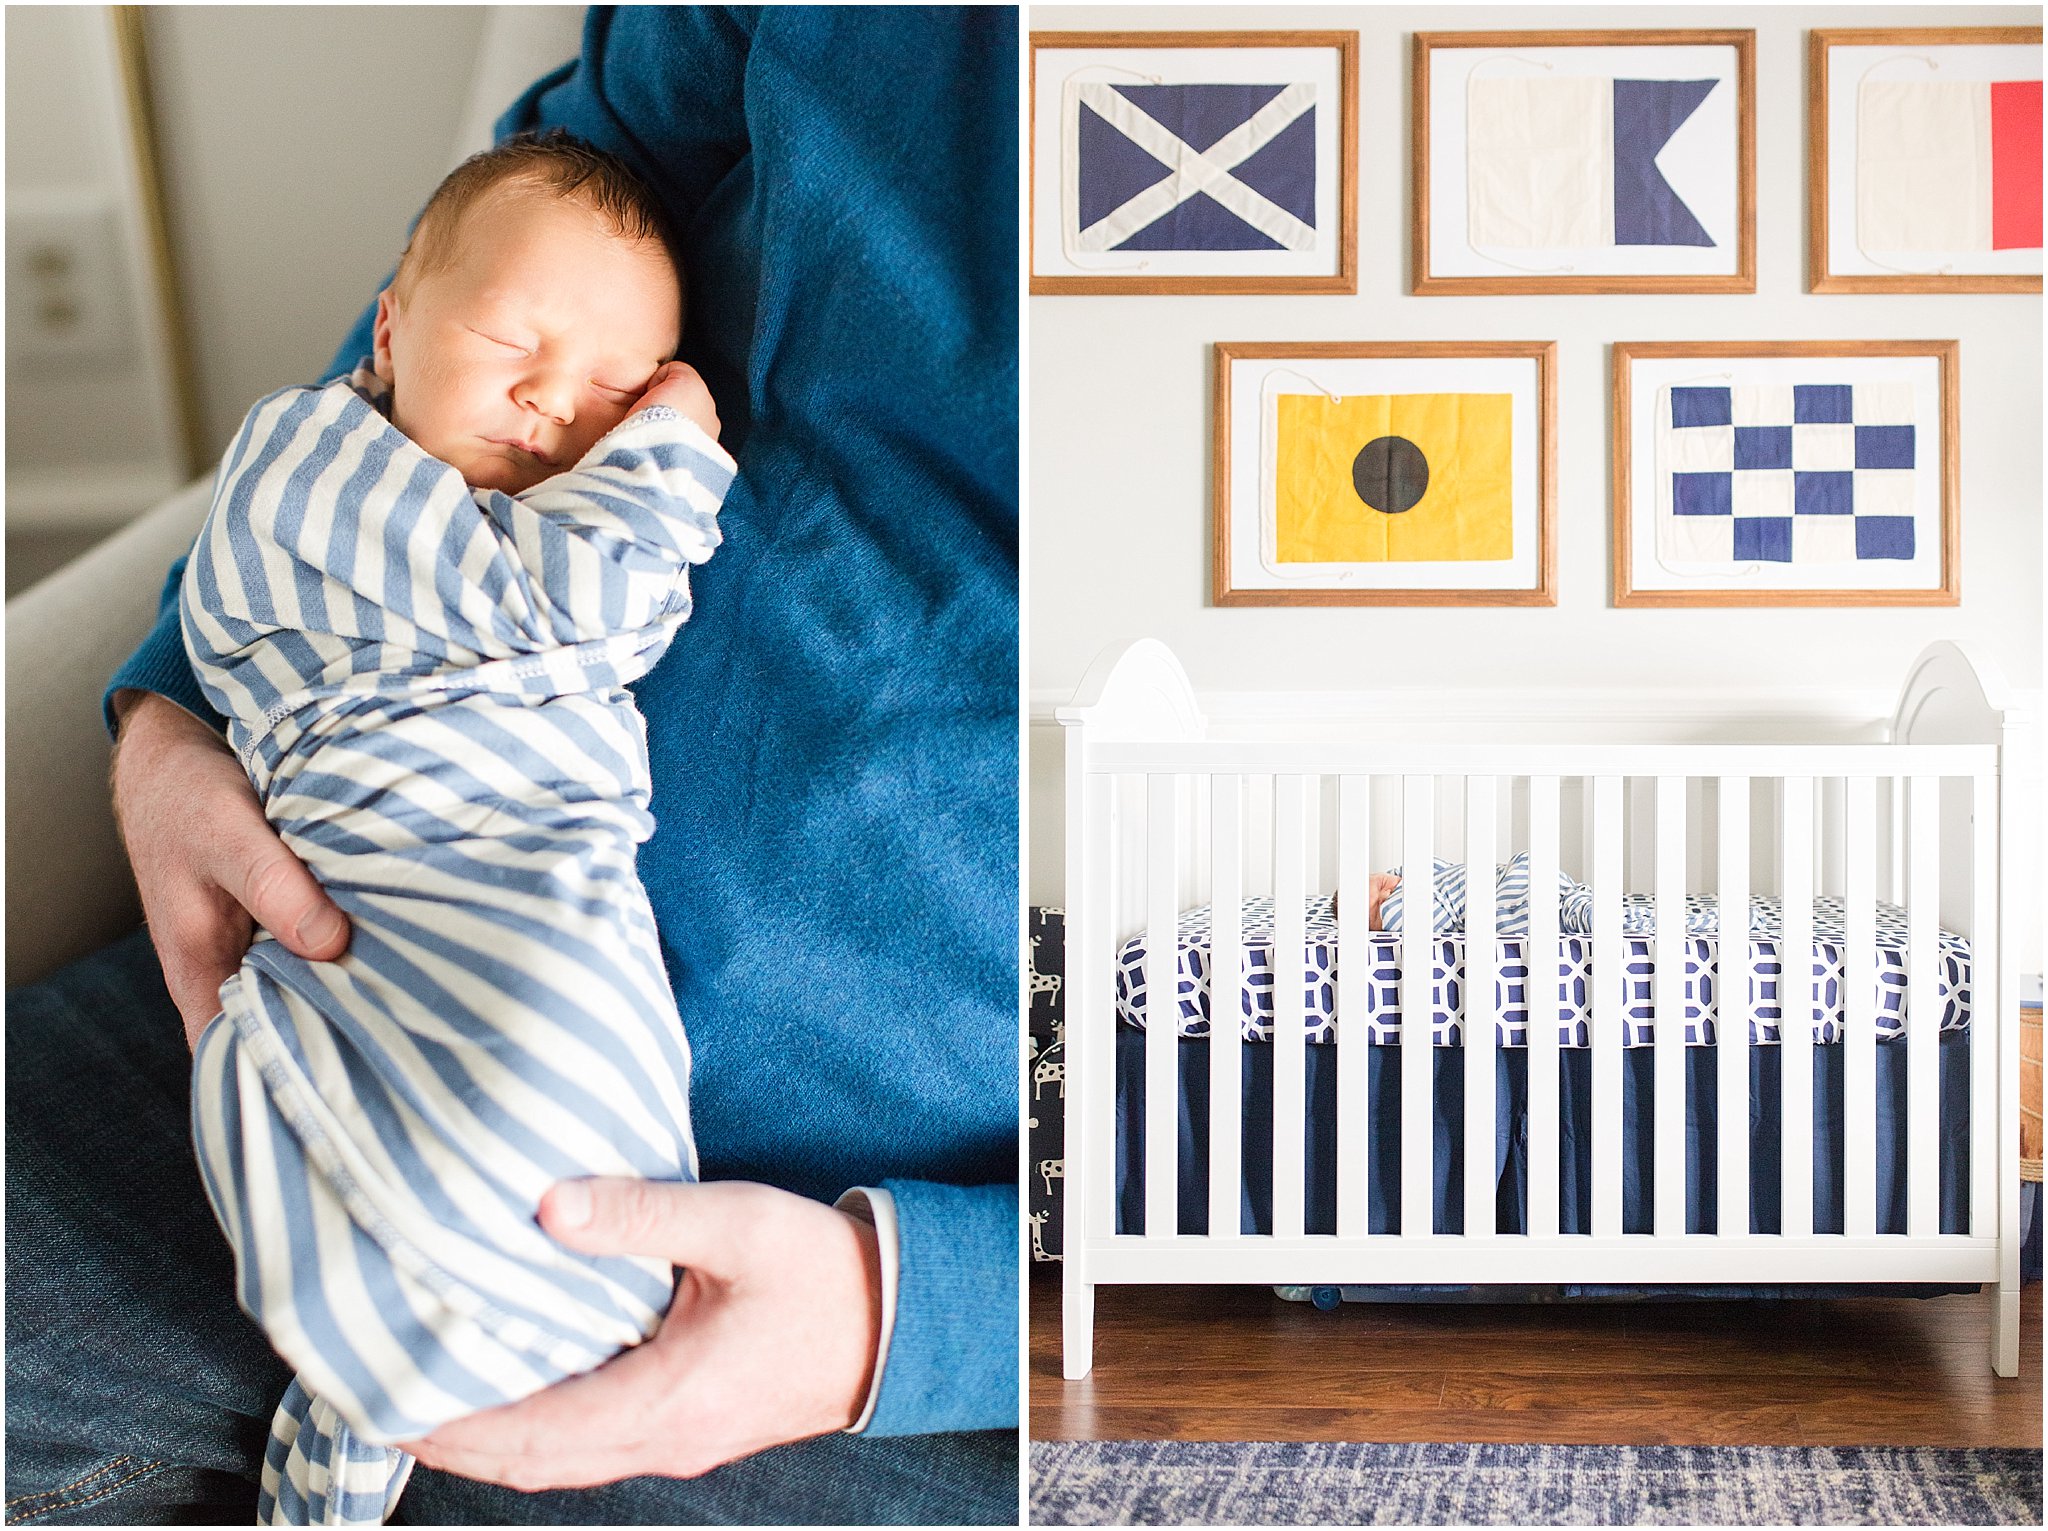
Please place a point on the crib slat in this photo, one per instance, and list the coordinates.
(1290, 965)
(1795, 1004)
(1892, 870)
(1731, 1106)
(1418, 947)
(1828, 810)
(1984, 1019)
(1669, 999)
(1354, 973)
(1641, 842)
(1540, 993)
(1226, 1021)
(1860, 1010)
(1923, 1005)
(1609, 1002)
(1162, 1007)
(1092, 1026)
(1482, 961)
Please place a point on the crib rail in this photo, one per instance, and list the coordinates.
(1166, 799)
(1157, 825)
(1633, 1259)
(1329, 758)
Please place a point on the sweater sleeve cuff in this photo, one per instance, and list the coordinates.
(877, 1208)
(951, 1357)
(161, 665)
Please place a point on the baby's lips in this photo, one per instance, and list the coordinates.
(519, 445)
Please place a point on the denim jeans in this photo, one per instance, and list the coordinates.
(137, 1393)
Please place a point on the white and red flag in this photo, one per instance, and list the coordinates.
(1948, 165)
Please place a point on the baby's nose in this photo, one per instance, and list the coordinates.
(551, 395)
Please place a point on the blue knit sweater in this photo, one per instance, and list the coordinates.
(833, 736)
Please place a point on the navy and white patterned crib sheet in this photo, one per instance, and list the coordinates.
(1573, 966)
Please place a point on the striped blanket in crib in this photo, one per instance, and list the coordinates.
(426, 685)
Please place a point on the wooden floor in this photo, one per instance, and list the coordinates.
(1238, 1363)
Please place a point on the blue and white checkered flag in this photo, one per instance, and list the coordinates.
(1786, 473)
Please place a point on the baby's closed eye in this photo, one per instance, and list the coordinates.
(499, 340)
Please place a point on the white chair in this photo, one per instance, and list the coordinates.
(69, 890)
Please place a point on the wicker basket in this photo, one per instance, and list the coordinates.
(2030, 1093)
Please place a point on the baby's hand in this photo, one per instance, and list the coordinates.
(679, 387)
(1383, 883)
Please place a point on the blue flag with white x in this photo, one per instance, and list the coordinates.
(1195, 167)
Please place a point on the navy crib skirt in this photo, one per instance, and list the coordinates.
(1511, 1159)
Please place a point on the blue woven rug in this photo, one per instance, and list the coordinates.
(1287, 1483)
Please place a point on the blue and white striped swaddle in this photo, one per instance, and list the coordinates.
(426, 685)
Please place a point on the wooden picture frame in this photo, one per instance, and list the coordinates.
(1431, 266)
(1830, 229)
(1929, 570)
(1245, 570)
(1328, 264)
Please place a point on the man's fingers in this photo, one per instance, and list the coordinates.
(205, 860)
(199, 944)
(575, 1420)
(196, 992)
(286, 899)
(702, 1226)
(533, 1474)
(197, 996)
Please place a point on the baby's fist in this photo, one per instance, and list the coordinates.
(679, 387)
(1383, 883)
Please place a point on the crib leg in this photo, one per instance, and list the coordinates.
(1079, 1346)
(2005, 1331)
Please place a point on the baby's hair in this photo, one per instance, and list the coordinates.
(554, 163)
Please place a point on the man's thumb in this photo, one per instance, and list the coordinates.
(288, 901)
(678, 1221)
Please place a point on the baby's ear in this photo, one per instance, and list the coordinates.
(380, 336)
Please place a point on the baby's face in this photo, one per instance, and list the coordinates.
(541, 331)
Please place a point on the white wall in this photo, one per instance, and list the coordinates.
(92, 434)
(298, 142)
(1119, 397)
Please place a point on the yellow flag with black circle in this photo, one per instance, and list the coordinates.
(1394, 478)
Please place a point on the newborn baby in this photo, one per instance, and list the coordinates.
(418, 598)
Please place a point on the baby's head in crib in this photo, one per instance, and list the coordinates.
(538, 298)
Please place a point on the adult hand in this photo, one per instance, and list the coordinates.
(207, 863)
(771, 1338)
(679, 386)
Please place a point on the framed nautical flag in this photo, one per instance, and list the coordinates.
(1786, 473)
(1219, 162)
(1924, 160)
(1584, 162)
(1391, 474)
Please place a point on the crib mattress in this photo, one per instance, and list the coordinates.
(1763, 965)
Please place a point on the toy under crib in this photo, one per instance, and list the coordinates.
(1836, 1104)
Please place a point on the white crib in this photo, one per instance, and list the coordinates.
(1161, 817)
